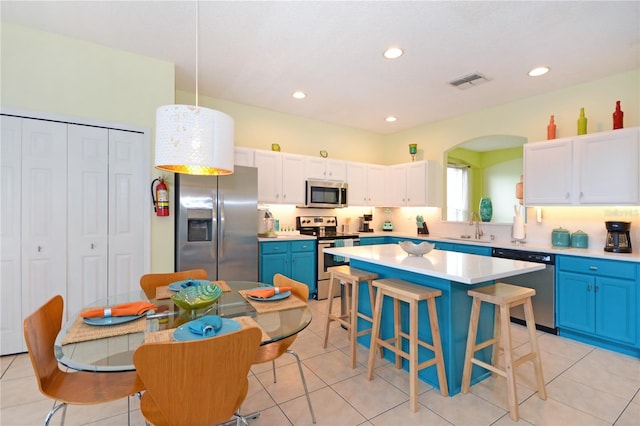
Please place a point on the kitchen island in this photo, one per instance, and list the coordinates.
(454, 274)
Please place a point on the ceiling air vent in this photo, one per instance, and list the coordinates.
(469, 81)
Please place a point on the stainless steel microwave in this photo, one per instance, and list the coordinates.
(326, 194)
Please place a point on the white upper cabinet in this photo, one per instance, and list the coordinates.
(596, 169)
(325, 169)
(412, 184)
(607, 167)
(280, 177)
(548, 172)
(366, 184)
(244, 156)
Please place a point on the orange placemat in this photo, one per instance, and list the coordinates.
(81, 332)
(167, 335)
(164, 292)
(261, 307)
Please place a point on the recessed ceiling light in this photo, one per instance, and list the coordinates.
(393, 53)
(536, 72)
(299, 95)
(390, 119)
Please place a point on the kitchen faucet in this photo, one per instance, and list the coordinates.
(475, 218)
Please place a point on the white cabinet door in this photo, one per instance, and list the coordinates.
(88, 158)
(357, 181)
(293, 181)
(607, 167)
(336, 170)
(419, 185)
(244, 156)
(396, 185)
(375, 185)
(548, 173)
(269, 166)
(44, 212)
(325, 169)
(11, 335)
(315, 168)
(128, 207)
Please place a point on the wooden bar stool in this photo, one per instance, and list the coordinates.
(351, 277)
(504, 296)
(402, 291)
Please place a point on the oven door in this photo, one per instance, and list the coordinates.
(326, 260)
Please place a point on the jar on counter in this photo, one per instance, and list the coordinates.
(560, 237)
(579, 239)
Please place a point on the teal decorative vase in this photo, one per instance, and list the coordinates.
(486, 209)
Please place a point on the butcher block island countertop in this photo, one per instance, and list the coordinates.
(454, 274)
(448, 265)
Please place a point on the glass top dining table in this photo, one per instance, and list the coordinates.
(115, 353)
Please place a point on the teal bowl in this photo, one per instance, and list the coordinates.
(197, 297)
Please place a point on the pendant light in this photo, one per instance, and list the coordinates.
(192, 139)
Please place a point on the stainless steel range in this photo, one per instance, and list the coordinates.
(325, 228)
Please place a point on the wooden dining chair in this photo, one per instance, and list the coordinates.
(196, 382)
(272, 351)
(80, 387)
(149, 282)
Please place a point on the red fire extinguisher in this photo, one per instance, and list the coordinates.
(160, 197)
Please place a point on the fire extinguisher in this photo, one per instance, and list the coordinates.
(160, 197)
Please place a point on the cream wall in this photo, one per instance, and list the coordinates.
(59, 75)
(259, 128)
(44, 72)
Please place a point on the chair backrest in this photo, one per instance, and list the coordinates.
(298, 289)
(40, 331)
(198, 382)
(149, 282)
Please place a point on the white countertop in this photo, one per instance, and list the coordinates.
(448, 265)
(595, 252)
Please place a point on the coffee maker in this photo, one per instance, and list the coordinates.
(618, 237)
(365, 223)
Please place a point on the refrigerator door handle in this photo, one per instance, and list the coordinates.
(222, 227)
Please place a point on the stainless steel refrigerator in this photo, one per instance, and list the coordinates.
(216, 225)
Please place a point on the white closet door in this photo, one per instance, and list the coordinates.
(88, 154)
(11, 336)
(128, 184)
(44, 212)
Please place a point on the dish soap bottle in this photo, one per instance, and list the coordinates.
(618, 116)
(582, 123)
(551, 129)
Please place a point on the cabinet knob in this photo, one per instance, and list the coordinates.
(593, 268)
(92, 246)
(568, 194)
(39, 249)
(597, 288)
(589, 287)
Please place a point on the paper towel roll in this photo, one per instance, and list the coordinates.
(518, 228)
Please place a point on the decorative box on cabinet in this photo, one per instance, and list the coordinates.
(598, 302)
(294, 259)
(594, 169)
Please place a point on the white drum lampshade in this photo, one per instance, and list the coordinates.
(194, 140)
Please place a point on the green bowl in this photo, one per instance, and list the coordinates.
(197, 297)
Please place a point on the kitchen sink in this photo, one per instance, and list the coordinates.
(468, 239)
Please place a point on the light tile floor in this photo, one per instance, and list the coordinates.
(585, 386)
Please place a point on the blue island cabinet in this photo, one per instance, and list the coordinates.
(454, 311)
(598, 302)
(294, 259)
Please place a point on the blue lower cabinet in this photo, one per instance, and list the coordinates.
(294, 259)
(472, 249)
(370, 241)
(597, 302)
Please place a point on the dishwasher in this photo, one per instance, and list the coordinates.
(543, 282)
